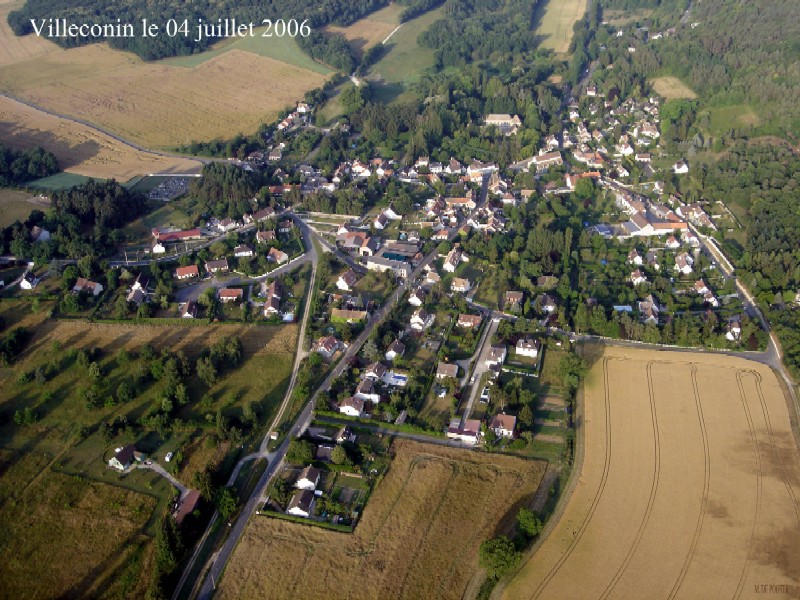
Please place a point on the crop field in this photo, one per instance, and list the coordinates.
(405, 61)
(80, 149)
(418, 537)
(158, 105)
(672, 88)
(557, 19)
(370, 30)
(689, 486)
(14, 49)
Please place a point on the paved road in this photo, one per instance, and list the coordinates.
(484, 348)
(417, 437)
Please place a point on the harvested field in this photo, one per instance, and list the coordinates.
(14, 49)
(157, 105)
(557, 19)
(404, 545)
(370, 30)
(81, 149)
(688, 489)
(672, 88)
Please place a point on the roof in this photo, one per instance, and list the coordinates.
(447, 370)
(496, 353)
(125, 455)
(507, 422)
(528, 344)
(190, 271)
(187, 506)
(469, 320)
(302, 499)
(310, 473)
(350, 277)
(378, 368)
(397, 347)
(231, 292)
(352, 402)
(217, 264)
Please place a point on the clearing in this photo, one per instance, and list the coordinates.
(555, 25)
(688, 488)
(725, 118)
(418, 538)
(80, 149)
(672, 88)
(370, 30)
(16, 205)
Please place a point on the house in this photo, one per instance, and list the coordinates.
(217, 266)
(165, 237)
(683, 263)
(265, 237)
(90, 287)
(123, 458)
(39, 234)
(460, 285)
(652, 260)
(230, 294)
(380, 263)
(700, 287)
(733, 331)
(680, 168)
(634, 258)
(421, 320)
(353, 407)
(591, 90)
(710, 299)
(452, 260)
(469, 321)
(512, 301)
(447, 370)
(643, 157)
(548, 303)
(470, 433)
(545, 160)
(326, 346)
(285, 226)
(263, 214)
(496, 357)
(503, 425)
(138, 291)
(672, 243)
(637, 277)
(649, 309)
(375, 371)
(308, 479)
(347, 280)
(277, 256)
(348, 316)
(417, 297)
(432, 278)
(189, 310)
(380, 221)
(345, 434)
(507, 124)
(528, 347)
(187, 505)
(301, 504)
(226, 225)
(365, 390)
(190, 272)
(395, 349)
(243, 251)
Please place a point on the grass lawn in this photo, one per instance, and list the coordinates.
(284, 49)
(405, 61)
(733, 117)
(59, 181)
(162, 215)
(15, 205)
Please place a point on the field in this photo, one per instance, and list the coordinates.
(688, 488)
(405, 61)
(370, 30)
(17, 205)
(418, 537)
(725, 118)
(555, 25)
(80, 149)
(672, 88)
(15, 49)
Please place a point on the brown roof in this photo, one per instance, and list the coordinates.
(231, 293)
(507, 422)
(190, 271)
(187, 506)
(469, 320)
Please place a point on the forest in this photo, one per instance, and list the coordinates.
(19, 167)
(330, 50)
(318, 13)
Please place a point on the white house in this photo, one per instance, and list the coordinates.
(528, 347)
(421, 320)
(637, 277)
(503, 425)
(680, 168)
(683, 263)
(347, 280)
(90, 287)
(308, 479)
(353, 407)
(497, 356)
(243, 251)
(396, 348)
(366, 391)
(28, 281)
(417, 297)
(301, 504)
(460, 285)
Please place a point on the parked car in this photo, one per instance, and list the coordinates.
(168, 457)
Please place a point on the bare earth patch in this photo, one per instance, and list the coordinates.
(418, 538)
(689, 487)
(672, 88)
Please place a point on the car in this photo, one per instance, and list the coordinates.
(168, 457)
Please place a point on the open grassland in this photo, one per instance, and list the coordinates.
(725, 118)
(672, 88)
(418, 537)
(555, 24)
(80, 149)
(405, 61)
(16, 205)
(370, 30)
(688, 488)
(155, 104)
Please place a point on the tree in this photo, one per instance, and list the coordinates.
(528, 523)
(204, 482)
(526, 416)
(339, 456)
(300, 452)
(226, 502)
(498, 556)
(206, 371)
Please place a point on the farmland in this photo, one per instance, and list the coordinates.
(557, 19)
(80, 149)
(688, 487)
(405, 545)
(672, 88)
(17, 205)
(370, 30)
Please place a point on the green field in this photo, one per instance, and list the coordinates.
(405, 62)
(59, 181)
(14, 206)
(284, 49)
(740, 116)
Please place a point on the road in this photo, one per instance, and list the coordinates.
(417, 437)
(484, 348)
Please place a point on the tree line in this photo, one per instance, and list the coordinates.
(18, 167)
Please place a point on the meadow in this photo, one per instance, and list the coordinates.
(370, 30)
(556, 21)
(672, 88)
(418, 537)
(690, 460)
(17, 205)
